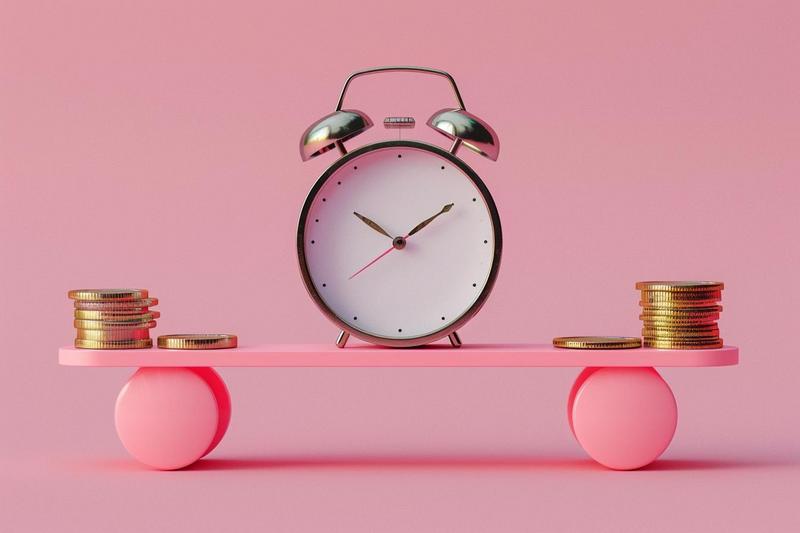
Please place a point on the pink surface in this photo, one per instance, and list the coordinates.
(623, 417)
(328, 355)
(639, 142)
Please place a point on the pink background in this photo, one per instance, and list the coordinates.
(155, 145)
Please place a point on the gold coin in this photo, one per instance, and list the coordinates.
(105, 295)
(597, 343)
(677, 322)
(113, 345)
(198, 341)
(677, 304)
(666, 324)
(680, 327)
(85, 314)
(663, 333)
(142, 303)
(665, 296)
(687, 312)
(116, 324)
(680, 286)
(681, 345)
(683, 327)
(127, 334)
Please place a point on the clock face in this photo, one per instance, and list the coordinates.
(408, 284)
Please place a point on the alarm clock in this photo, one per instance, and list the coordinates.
(399, 242)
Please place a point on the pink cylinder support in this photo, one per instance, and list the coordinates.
(168, 418)
(624, 418)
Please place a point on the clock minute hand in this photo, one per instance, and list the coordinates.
(372, 224)
(427, 221)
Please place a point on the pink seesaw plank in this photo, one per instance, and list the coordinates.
(325, 355)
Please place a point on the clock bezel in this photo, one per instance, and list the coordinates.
(451, 327)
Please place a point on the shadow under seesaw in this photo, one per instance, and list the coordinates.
(466, 463)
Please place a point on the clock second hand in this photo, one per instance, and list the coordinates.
(362, 269)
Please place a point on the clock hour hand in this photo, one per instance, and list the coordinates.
(427, 221)
(372, 224)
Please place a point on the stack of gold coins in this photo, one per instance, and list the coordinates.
(113, 319)
(680, 314)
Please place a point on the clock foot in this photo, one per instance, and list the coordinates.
(341, 340)
(455, 340)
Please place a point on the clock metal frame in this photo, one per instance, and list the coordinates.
(451, 329)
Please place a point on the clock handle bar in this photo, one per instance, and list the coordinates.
(423, 70)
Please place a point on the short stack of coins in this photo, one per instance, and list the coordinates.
(113, 319)
(680, 315)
